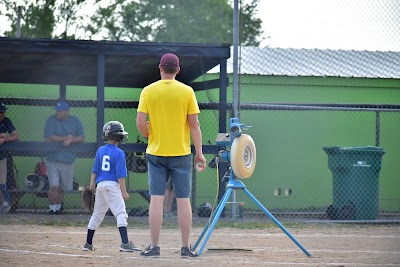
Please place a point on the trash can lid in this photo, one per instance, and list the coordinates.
(336, 149)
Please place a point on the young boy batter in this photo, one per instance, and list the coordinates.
(108, 173)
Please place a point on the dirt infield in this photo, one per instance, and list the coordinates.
(330, 245)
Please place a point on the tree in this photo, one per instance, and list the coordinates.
(186, 21)
(67, 16)
(250, 26)
(36, 18)
(122, 21)
(41, 18)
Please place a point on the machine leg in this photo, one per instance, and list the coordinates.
(277, 223)
(214, 221)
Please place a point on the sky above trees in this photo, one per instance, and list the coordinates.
(185, 21)
(328, 24)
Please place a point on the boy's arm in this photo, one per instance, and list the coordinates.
(92, 181)
(121, 182)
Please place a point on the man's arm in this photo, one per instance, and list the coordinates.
(141, 124)
(195, 133)
(76, 139)
(13, 136)
(66, 140)
(69, 139)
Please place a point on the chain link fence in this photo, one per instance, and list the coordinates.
(29, 114)
(325, 124)
(317, 157)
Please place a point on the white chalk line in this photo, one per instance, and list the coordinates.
(213, 234)
(253, 249)
(202, 259)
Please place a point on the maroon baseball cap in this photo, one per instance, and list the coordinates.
(169, 60)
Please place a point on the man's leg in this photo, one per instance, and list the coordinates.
(1, 198)
(55, 195)
(3, 180)
(66, 172)
(54, 185)
(155, 218)
(184, 219)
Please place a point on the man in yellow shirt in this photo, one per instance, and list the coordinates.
(171, 110)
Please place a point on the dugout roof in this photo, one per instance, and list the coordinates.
(122, 64)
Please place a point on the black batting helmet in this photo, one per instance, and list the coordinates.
(36, 182)
(114, 130)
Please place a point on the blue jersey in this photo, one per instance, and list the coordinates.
(109, 164)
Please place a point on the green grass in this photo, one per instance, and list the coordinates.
(172, 223)
(134, 222)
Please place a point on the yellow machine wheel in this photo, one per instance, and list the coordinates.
(243, 156)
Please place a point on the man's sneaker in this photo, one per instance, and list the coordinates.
(151, 252)
(130, 247)
(54, 212)
(188, 252)
(5, 208)
(87, 247)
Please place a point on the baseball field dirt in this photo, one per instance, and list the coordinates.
(44, 242)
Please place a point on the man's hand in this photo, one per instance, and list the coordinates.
(2, 138)
(200, 163)
(68, 140)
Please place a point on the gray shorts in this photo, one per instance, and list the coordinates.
(60, 175)
(180, 170)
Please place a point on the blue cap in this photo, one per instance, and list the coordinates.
(61, 106)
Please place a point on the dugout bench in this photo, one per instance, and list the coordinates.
(82, 150)
(39, 149)
(17, 194)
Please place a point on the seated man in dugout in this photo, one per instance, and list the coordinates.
(66, 130)
(8, 133)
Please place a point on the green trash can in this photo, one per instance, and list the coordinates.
(355, 182)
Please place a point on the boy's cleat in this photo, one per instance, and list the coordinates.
(130, 247)
(87, 247)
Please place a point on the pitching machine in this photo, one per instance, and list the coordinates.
(242, 158)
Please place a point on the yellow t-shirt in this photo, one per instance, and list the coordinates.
(168, 103)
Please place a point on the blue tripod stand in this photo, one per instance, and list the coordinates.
(234, 184)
